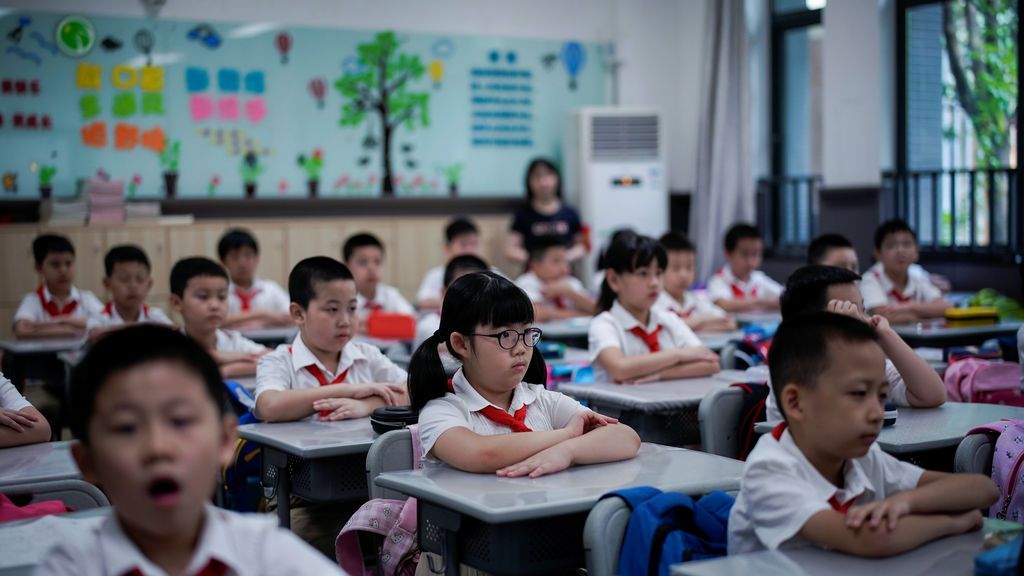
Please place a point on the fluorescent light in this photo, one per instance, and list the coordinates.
(250, 30)
(816, 4)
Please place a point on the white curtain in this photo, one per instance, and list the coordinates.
(725, 189)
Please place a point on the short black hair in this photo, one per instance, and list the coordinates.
(738, 232)
(46, 244)
(819, 247)
(464, 264)
(459, 227)
(192, 267)
(130, 347)
(304, 277)
(539, 246)
(673, 241)
(891, 227)
(357, 241)
(801, 347)
(125, 253)
(235, 239)
(807, 288)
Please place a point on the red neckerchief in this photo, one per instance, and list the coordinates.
(649, 338)
(246, 296)
(213, 568)
(322, 379)
(894, 293)
(108, 310)
(515, 422)
(51, 306)
(833, 501)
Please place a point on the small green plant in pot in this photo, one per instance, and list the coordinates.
(313, 165)
(251, 170)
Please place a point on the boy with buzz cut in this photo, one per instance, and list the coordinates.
(323, 372)
(833, 250)
(820, 478)
(462, 237)
(912, 382)
(889, 287)
(199, 293)
(56, 309)
(363, 253)
(128, 281)
(739, 286)
(695, 309)
(253, 302)
(556, 294)
(152, 430)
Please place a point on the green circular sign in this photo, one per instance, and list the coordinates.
(75, 36)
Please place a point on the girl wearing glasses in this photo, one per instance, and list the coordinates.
(486, 323)
(630, 341)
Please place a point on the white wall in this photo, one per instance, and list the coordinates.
(660, 42)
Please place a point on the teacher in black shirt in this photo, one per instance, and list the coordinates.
(544, 214)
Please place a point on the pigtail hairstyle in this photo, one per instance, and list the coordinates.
(480, 298)
(626, 254)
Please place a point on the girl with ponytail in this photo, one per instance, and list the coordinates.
(468, 421)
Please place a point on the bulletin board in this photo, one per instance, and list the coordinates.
(188, 109)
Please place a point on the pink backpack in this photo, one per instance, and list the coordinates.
(974, 380)
(395, 520)
(1007, 459)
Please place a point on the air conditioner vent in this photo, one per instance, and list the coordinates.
(624, 137)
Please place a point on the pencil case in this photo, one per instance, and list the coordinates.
(973, 316)
(391, 326)
(392, 418)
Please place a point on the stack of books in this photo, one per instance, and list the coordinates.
(106, 201)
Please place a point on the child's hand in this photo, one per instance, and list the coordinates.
(968, 521)
(891, 509)
(585, 421)
(387, 392)
(846, 308)
(17, 421)
(881, 323)
(74, 321)
(342, 408)
(548, 461)
(697, 354)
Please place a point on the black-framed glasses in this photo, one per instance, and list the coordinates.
(508, 339)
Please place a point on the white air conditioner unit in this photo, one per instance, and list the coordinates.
(615, 174)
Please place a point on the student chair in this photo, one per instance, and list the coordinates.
(390, 452)
(719, 418)
(603, 534)
(76, 494)
(974, 454)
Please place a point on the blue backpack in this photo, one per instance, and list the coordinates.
(666, 528)
(240, 478)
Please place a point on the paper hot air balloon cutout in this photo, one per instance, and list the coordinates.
(436, 70)
(283, 42)
(573, 58)
(317, 89)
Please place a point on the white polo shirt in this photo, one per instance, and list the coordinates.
(546, 410)
(426, 326)
(693, 304)
(264, 295)
(534, 288)
(31, 307)
(244, 543)
(612, 329)
(285, 368)
(723, 285)
(386, 299)
(109, 317)
(897, 392)
(232, 341)
(878, 290)
(10, 398)
(432, 284)
(781, 490)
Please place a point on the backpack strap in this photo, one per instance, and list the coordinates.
(417, 458)
(633, 497)
(997, 427)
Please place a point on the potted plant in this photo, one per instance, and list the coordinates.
(312, 165)
(453, 174)
(251, 170)
(169, 162)
(46, 174)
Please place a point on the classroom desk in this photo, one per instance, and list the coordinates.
(717, 340)
(48, 472)
(663, 412)
(952, 555)
(36, 359)
(935, 333)
(522, 525)
(744, 318)
(26, 542)
(316, 461)
(271, 337)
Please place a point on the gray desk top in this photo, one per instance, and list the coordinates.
(953, 555)
(49, 346)
(937, 329)
(26, 542)
(717, 340)
(44, 462)
(277, 334)
(313, 439)
(919, 429)
(757, 317)
(497, 500)
(655, 396)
